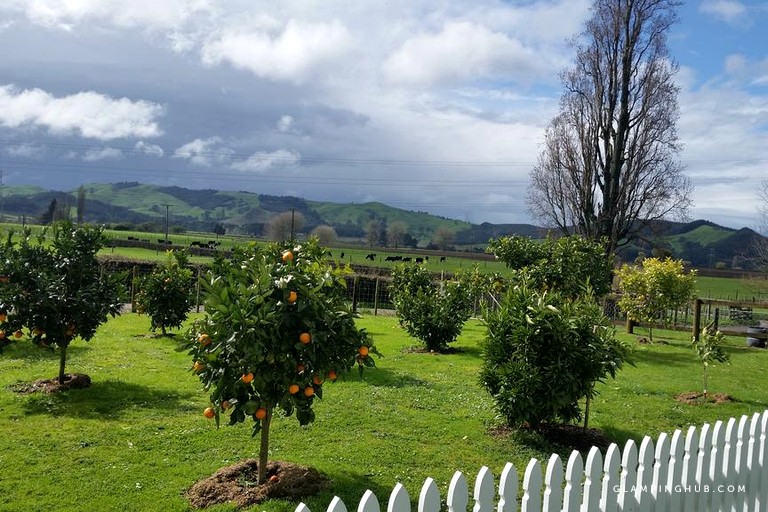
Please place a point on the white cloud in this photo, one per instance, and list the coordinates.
(730, 11)
(87, 114)
(204, 152)
(292, 54)
(262, 161)
(284, 124)
(149, 149)
(25, 151)
(461, 51)
(94, 155)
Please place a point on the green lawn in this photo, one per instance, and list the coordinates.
(136, 439)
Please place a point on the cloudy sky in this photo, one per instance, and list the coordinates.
(428, 105)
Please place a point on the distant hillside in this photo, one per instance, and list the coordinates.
(144, 207)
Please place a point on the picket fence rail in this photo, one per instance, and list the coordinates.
(714, 468)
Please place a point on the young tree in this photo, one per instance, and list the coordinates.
(544, 352)
(649, 291)
(609, 165)
(709, 349)
(55, 289)
(277, 326)
(433, 312)
(166, 294)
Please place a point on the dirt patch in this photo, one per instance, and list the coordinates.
(237, 484)
(71, 381)
(573, 437)
(695, 398)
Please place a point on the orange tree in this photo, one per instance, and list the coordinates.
(54, 287)
(166, 294)
(277, 327)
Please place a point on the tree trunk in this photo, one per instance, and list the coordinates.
(586, 408)
(264, 449)
(62, 362)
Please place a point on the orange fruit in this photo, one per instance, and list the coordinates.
(247, 378)
(2, 335)
(332, 375)
(3, 317)
(317, 380)
(18, 334)
(287, 256)
(37, 331)
(299, 368)
(293, 389)
(363, 351)
(198, 366)
(305, 338)
(204, 339)
(292, 296)
(209, 412)
(274, 479)
(260, 413)
(309, 391)
(225, 404)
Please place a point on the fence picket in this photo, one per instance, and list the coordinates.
(532, 483)
(429, 498)
(608, 495)
(508, 489)
(399, 501)
(484, 491)
(369, 503)
(553, 483)
(712, 468)
(458, 493)
(573, 473)
(628, 478)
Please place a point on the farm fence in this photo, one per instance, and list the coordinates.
(712, 468)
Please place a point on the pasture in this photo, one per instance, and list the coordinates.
(136, 439)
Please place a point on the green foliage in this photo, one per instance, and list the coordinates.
(709, 349)
(564, 264)
(544, 352)
(434, 312)
(166, 294)
(651, 290)
(54, 288)
(277, 326)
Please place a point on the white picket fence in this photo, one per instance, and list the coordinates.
(721, 467)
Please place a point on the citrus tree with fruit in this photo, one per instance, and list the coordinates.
(277, 328)
(166, 294)
(52, 288)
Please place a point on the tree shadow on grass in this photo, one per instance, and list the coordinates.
(351, 487)
(107, 400)
(658, 357)
(392, 378)
(31, 353)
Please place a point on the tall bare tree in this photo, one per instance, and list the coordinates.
(609, 166)
(396, 233)
(284, 226)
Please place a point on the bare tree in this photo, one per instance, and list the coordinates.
(609, 165)
(325, 234)
(396, 233)
(444, 238)
(373, 229)
(283, 226)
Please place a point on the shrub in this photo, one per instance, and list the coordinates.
(55, 288)
(544, 352)
(277, 326)
(166, 294)
(433, 312)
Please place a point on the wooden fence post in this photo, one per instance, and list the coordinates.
(696, 318)
(376, 298)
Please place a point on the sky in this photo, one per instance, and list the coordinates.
(437, 106)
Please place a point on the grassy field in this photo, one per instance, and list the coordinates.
(136, 439)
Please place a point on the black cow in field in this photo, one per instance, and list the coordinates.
(406, 259)
(419, 260)
(393, 258)
(442, 259)
(371, 256)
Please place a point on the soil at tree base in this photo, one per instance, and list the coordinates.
(694, 397)
(237, 484)
(71, 381)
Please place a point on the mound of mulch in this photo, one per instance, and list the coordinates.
(695, 398)
(237, 484)
(71, 381)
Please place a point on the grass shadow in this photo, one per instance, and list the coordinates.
(107, 400)
(31, 353)
(663, 358)
(350, 487)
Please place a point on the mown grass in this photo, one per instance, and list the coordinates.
(136, 439)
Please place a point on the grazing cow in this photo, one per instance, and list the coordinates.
(371, 256)
(442, 259)
(391, 258)
(419, 260)
(342, 255)
(406, 259)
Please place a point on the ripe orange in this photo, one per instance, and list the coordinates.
(18, 334)
(260, 413)
(305, 338)
(363, 351)
(287, 256)
(292, 296)
(3, 317)
(198, 366)
(317, 380)
(37, 331)
(204, 339)
(209, 412)
(293, 389)
(247, 378)
(2, 335)
(332, 375)
(309, 391)
(274, 479)
(225, 404)
(299, 368)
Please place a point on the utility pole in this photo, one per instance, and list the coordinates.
(2, 193)
(166, 222)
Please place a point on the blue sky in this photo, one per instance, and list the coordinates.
(436, 106)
